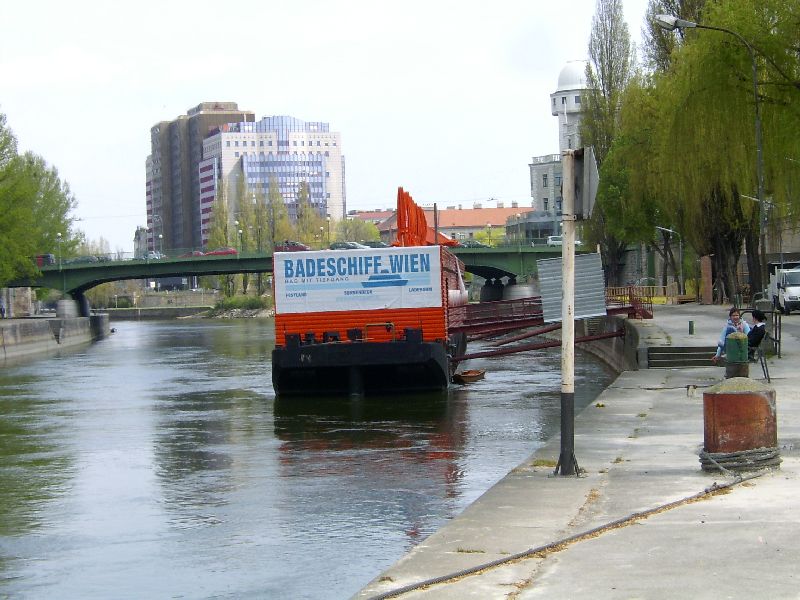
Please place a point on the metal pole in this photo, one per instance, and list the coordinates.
(567, 464)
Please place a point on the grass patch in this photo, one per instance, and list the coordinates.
(242, 302)
(544, 462)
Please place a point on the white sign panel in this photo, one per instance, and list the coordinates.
(375, 278)
(590, 291)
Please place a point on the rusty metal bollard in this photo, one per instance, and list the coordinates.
(740, 426)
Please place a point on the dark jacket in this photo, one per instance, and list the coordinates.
(755, 335)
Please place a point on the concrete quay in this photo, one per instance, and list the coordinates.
(637, 523)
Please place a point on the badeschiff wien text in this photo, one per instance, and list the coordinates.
(342, 266)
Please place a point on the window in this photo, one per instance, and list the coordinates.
(563, 99)
(569, 142)
(577, 99)
(228, 143)
(554, 101)
(557, 180)
(261, 143)
(236, 143)
(236, 154)
(545, 203)
(544, 180)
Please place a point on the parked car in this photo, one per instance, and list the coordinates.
(291, 246)
(222, 251)
(347, 246)
(152, 255)
(556, 240)
(81, 259)
(471, 244)
(375, 243)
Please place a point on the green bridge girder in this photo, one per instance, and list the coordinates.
(75, 279)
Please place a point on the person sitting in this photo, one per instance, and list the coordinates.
(733, 325)
(756, 334)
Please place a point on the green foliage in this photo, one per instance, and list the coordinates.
(354, 230)
(34, 208)
(242, 302)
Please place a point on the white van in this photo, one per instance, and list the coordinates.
(554, 240)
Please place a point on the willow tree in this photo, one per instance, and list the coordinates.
(707, 153)
(611, 64)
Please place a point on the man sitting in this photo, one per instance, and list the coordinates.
(756, 333)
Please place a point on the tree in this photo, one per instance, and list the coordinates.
(355, 230)
(34, 208)
(309, 221)
(219, 234)
(610, 67)
(706, 148)
(280, 227)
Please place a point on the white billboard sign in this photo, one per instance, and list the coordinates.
(375, 278)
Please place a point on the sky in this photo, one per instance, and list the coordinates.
(449, 100)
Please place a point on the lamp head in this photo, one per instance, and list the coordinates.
(670, 23)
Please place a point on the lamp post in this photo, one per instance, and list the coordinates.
(328, 220)
(58, 237)
(670, 23)
(160, 244)
(680, 255)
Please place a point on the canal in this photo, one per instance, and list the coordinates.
(157, 463)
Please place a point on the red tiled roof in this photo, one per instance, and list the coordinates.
(476, 217)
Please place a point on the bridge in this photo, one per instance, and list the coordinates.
(76, 278)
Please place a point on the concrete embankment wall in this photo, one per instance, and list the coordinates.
(619, 353)
(138, 314)
(21, 338)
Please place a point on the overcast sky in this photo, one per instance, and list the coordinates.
(448, 99)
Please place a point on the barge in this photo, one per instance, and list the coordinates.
(369, 321)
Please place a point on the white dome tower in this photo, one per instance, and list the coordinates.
(565, 103)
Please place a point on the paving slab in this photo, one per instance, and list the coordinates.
(637, 446)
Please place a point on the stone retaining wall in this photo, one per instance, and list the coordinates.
(21, 338)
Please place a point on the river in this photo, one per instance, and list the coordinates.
(157, 464)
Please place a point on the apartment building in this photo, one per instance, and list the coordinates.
(241, 158)
(172, 182)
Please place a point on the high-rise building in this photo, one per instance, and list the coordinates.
(545, 171)
(172, 185)
(242, 157)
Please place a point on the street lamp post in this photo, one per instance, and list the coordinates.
(670, 23)
(160, 243)
(680, 255)
(328, 219)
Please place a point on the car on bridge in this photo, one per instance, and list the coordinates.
(152, 255)
(291, 246)
(471, 244)
(375, 243)
(347, 246)
(222, 252)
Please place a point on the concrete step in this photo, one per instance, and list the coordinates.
(671, 357)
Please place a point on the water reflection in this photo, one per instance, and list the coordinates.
(382, 435)
(157, 463)
(34, 470)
